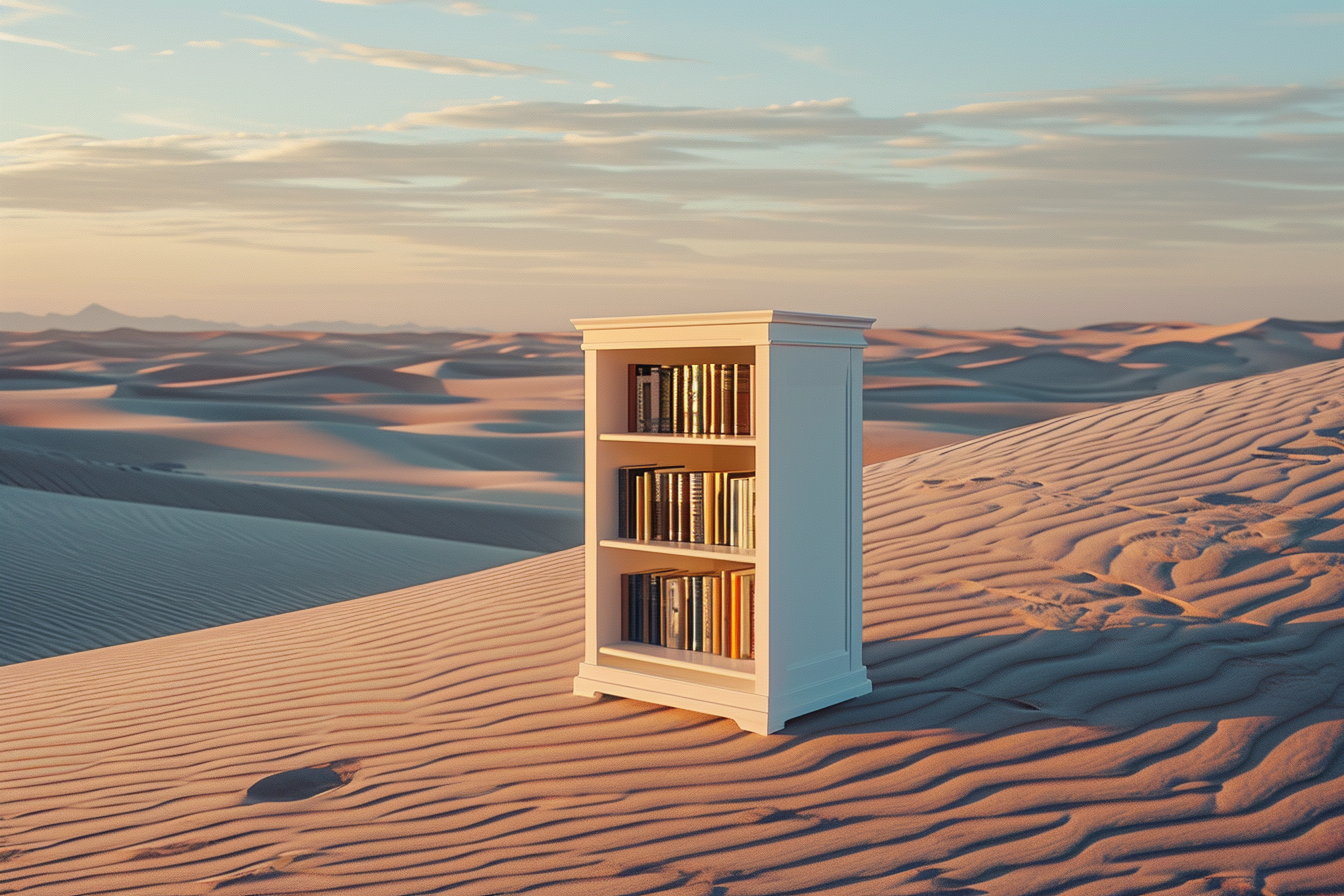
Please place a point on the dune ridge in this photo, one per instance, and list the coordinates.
(1105, 653)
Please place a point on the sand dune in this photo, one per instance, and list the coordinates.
(1105, 651)
(81, 573)
(473, 438)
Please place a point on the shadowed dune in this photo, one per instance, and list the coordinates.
(1106, 656)
(81, 573)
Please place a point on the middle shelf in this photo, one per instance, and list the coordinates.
(680, 548)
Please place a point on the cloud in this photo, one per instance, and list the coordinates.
(634, 56)
(389, 57)
(415, 59)
(37, 42)
(292, 29)
(1130, 107)
(809, 119)
(155, 121)
(818, 56)
(23, 11)
(616, 186)
(205, 44)
(468, 9)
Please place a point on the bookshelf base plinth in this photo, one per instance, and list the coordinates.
(728, 698)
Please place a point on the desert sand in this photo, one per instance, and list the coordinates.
(1105, 650)
(234, 475)
(160, 482)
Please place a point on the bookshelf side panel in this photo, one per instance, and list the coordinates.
(593, 523)
(810, 516)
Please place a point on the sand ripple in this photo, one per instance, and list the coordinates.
(1106, 652)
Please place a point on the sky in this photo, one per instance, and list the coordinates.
(514, 165)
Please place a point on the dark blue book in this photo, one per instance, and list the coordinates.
(654, 604)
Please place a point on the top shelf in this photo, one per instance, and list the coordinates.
(677, 438)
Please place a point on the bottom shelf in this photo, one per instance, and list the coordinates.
(681, 659)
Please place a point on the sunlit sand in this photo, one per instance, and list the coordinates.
(1104, 645)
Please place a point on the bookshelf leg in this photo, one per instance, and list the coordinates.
(583, 689)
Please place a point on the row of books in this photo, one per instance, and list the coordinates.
(695, 399)
(696, 506)
(710, 612)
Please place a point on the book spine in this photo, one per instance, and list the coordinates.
(645, 503)
(749, 616)
(665, 399)
(656, 633)
(716, 615)
(706, 614)
(734, 586)
(625, 608)
(711, 397)
(651, 398)
(697, 502)
(622, 503)
(692, 613)
(678, 516)
(650, 623)
(727, 400)
(636, 600)
(750, 515)
(656, 505)
(632, 393)
(676, 612)
(750, 399)
(641, 398)
(713, 481)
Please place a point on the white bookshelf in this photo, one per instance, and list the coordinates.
(807, 454)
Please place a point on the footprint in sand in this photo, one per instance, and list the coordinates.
(300, 783)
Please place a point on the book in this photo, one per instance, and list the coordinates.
(674, 611)
(691, 399)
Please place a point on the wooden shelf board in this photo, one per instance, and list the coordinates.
(680, 548)
(689, 660)
(677, 438)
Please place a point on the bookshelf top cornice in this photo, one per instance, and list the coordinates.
(723, 328)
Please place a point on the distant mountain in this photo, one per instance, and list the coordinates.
(97, 318)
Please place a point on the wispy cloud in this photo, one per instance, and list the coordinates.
(459, 8)
(329, 48)
(154, 121)
(468, 9)
(415, 59)
(803, 120)
(37, 42)
(22, 11)
(1101, 176)
(284, 26)
(817, 55)
(635, 56)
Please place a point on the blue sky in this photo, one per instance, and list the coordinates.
(513, 165)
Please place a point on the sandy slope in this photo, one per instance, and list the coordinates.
(82, 573)
(1106, 654)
